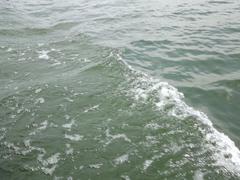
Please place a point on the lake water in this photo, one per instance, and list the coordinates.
(119, 89)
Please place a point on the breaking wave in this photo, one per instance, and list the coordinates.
(169, 100)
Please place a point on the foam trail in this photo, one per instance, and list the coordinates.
(225, 152)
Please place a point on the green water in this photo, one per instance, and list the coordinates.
(119, 89)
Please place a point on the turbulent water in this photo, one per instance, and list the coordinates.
(119, 89)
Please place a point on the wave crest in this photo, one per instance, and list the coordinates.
(168, 99)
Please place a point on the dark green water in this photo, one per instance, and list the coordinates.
(119, 89)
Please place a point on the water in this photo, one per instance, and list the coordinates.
(119, 89)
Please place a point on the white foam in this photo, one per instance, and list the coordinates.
(12, 146)
(69, 125)
(153, 126)
(53, 159)
(56, 63)
(43, 126)
(85, 60)
(74, 137)
(125, 177)
(47, 170)
(116, 136)
(226, 153)
(40, 100)
(151, 140)
(53, 125)
(3, 131)
(121, 159)
(69, 99)
(26, 142)
(9, 49)
(69, 150)
(69, 178)
(20, 110)
(146, 164)
(40, 44)
(13, 116)
(67, 117)
(43, 54)
(45, 164)
(95, 166)
(49, 165)
(198, 175)
(38, 90)
(92, 108)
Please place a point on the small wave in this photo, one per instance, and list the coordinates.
(168, 99)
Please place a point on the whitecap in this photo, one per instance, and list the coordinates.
(225, 152)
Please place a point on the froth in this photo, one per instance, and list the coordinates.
(169, 100)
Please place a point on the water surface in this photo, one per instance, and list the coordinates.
(119, 89)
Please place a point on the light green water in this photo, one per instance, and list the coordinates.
(119, 89)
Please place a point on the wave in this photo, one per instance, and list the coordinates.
(169, 100)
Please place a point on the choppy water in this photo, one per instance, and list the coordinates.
(119, 89)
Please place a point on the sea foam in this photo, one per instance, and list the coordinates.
(225, 153)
